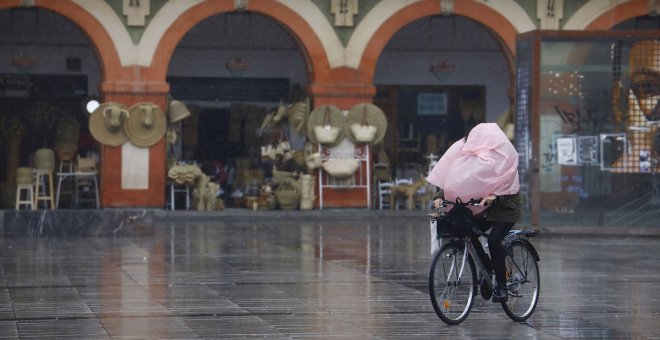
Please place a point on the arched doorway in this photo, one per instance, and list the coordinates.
(436, 78)
(54, 67)
(232, 69)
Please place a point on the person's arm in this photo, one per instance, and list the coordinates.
(438, 197)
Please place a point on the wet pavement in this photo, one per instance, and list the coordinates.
(290, 278)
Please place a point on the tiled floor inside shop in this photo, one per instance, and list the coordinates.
(306, 278)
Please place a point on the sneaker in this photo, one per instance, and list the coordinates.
(500, 294)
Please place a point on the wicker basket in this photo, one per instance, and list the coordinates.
(24, 175)
(364, 133)
(326, 134)
(341, 167)
(66, 151)
(288, 194)
(280, 176)
(44, 159)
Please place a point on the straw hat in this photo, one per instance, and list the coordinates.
(369, 113)
(177, 111)
(326, 115)
(105, 124)
(146, 124)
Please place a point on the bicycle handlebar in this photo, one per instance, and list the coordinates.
(473, 201)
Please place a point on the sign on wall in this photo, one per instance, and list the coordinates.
(432, 104)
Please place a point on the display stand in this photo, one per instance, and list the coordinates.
(360, 179)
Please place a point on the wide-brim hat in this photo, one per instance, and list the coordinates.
(177, 111)
(322, 116)
(99, 125)
(371, 115)
(146, 124)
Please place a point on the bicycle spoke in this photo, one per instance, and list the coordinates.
(452, 284)
(522, 281)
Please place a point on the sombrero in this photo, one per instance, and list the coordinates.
(326, 116)
(105, 124)
(146, 124)
(367, 113)
(177, 111)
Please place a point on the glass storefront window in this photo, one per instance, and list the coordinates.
(596, 141)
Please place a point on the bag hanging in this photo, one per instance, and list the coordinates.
(458, 222)
(326, 133)
(341, 167)
(363, 132)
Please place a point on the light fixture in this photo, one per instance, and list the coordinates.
(91, 104)
(24, 63)
(442, 69)
(237, 67)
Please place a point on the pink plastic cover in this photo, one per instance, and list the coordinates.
(486, 164)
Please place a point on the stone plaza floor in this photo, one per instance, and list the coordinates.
(301, 278)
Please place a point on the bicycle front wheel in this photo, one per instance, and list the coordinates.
(452, 283)
(523, 282)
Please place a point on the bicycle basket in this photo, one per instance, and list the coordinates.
(458, 222)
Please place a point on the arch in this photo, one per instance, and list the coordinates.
(600, 15)
(312, 49)
(97, 34)
(502, 28)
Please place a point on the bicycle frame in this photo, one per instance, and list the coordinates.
(482, 273)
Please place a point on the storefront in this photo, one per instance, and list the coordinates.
(588, 111)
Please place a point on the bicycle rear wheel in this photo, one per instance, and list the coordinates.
(523, 281)
(452, 283)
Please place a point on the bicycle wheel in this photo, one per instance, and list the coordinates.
(452, 283)
(523, 282)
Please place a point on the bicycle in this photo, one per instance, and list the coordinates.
(457, 270)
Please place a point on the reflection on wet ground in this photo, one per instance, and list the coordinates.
(302, 279)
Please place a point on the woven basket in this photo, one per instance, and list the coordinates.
(341, 167)
(280, 176)
(288, 194)
(326, 134)
(24, 175)
(44, 159)
(66, 151)
(364, 133)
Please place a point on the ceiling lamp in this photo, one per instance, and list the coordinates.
(442, 69)
(237, 67)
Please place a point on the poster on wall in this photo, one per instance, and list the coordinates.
(432, 104)
(612, 151)
(587, 150)
(566, 151)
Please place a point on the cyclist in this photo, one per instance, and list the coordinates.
(483, 165)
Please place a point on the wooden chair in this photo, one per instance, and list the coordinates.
(384, 194)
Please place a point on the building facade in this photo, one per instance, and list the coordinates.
(339, 53)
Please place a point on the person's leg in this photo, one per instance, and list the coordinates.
(476, 244)
(497, 254)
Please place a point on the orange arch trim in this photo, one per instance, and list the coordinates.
(483, 14)
(619, 14)
(311, 46)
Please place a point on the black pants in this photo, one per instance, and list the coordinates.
(498, 231)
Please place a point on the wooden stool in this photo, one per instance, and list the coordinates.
(28, 190)
(24, 187)
(41, 191)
